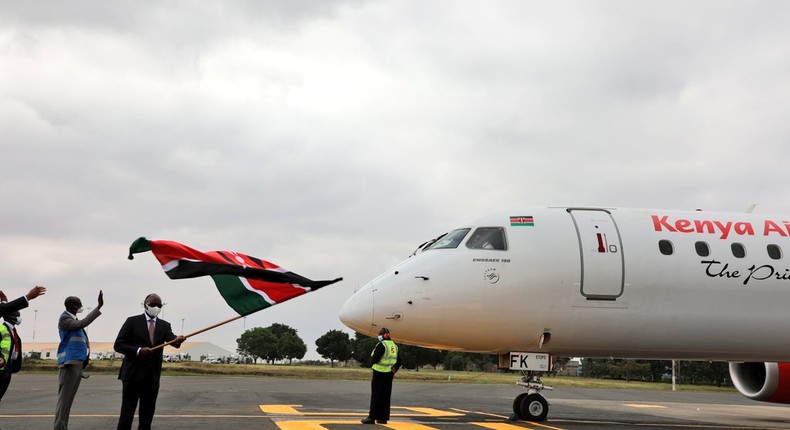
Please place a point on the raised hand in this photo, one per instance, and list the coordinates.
(35, 292)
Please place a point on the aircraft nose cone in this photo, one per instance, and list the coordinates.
(357, 312)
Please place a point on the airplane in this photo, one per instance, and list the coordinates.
(543, 283)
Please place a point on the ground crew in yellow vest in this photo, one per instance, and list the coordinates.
(73, 353)
(10, 350)
(386, 363)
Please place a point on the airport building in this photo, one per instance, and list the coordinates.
(189, 351)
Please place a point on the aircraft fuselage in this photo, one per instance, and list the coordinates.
(593, 282)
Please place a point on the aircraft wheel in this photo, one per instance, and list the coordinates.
(517, 405)
(533, 407)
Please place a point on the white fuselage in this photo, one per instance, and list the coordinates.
(593, 282)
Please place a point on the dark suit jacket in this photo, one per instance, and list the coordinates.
(134, 335)
(13, 306)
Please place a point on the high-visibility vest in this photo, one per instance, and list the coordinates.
(5, 344)
(389, 358)
(73, 345)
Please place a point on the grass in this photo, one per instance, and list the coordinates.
(356, 373)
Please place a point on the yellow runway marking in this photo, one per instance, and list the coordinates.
(280, 409)
(319, 425)
(506, 426)
(311, 424)
(406, 426)
(503, 417)
(418, 412)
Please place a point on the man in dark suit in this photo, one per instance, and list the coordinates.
(142, 366)
(10, 350)
(20, 303)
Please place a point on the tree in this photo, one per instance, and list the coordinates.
(412, 357)
(274, 343)
(630, 369)
(334, 345)
(455, 360)
(291, 346)
(703, 372)
(280, 330)
(256, 342)
(362, 347)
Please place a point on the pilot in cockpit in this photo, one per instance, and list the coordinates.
(487, 238)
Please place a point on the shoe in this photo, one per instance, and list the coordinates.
(381, 422)
(367, 420)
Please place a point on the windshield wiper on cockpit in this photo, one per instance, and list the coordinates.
(426, 244)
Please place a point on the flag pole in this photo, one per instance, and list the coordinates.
(200, 331)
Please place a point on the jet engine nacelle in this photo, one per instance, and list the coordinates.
(766, 382)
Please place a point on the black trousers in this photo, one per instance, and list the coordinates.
(380, 395)
(5, 379)
(145, 392)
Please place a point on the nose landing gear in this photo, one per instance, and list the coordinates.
(531, 406)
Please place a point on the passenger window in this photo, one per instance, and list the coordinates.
(450, 240)
(665, 247)
(703, 250)
(488, 238)
(775, 252)
(738, 251)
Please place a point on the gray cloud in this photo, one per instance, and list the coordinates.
(333, 137)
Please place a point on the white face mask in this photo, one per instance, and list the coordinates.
(380, 338)
(79, 311)
(152, 311)
(17, 322)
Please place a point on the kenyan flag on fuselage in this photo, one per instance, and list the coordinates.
(248, 284)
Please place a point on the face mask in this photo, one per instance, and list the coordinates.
(152, 311)
(18, 321)
(79, 311)
(380, 338)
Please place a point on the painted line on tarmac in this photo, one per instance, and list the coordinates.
(116, 415)
(319, 425)
(291, 410)
(290, 417)
(506, 426)
(669, 426)
(644, 406)
(505, 418)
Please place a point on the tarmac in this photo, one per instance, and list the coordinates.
(198, 402)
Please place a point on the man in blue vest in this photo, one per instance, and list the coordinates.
(73, 353)
(10, 350)
(386, 363)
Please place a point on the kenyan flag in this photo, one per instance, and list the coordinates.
(522, 221)
(248, 284)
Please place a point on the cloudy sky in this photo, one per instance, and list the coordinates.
(332, 137)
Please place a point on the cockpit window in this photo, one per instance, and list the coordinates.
(488, 238)
(450, 240)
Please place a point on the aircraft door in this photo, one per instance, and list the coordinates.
(601, 254)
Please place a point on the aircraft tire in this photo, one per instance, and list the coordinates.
(533, 407)
(517, 405)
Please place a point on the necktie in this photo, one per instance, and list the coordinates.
(16, 344)
(151, 330)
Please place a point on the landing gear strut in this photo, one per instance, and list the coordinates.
(531, 406)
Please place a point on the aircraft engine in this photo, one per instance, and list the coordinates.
(766, 382)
